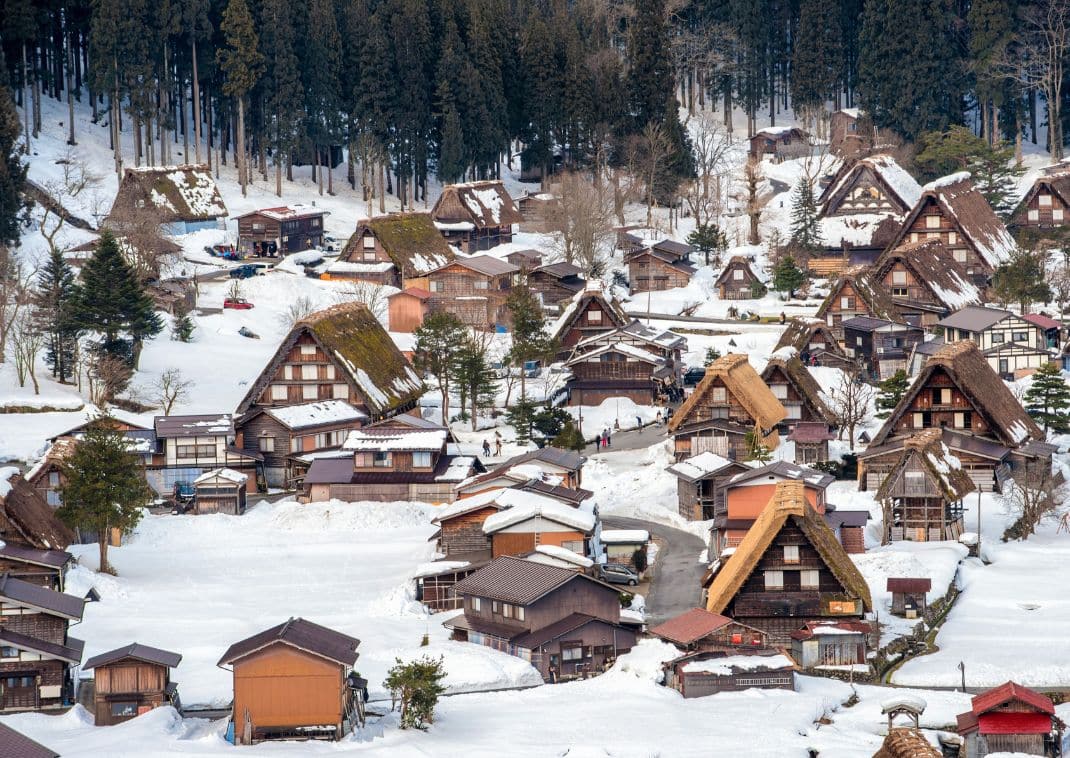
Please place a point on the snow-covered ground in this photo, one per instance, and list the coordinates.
(195, 585)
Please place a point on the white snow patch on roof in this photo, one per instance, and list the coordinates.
(947, 181)
(624, 536)
(458, 470)
(403, 440)
(6, 474)
(564, 554)
(699, 465)
(550, 510)
(314, 414)
(223, 473)
(724, 666)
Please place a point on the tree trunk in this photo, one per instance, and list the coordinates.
(196, 102)
(70, 90)
(26, 99)
(102, 542)
(240, 159)
(278, 175)
(382, 192)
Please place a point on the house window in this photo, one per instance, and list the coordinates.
(780, 391)
(339, 391)
(507, 610)
(737, 275)
(1044, 201)
(480, 284)
(267, 444)
(435, 286)
(297, 444)
(845, 302)
(899, 292)
(494, 606)
(858, 342)
(899, 277)
(809, 579)
(519, 613)
(842, 606)
(476, 604)
(774, 580)
(737, 639)
(382, 460)
(719, 395)
(952, 238)
(962, 419)
(258, 227)
(52, 498)
(1033, 214)
(572, 653)
(53, 478)
(308, 350)
(959, 255)
(1057, 214)
(369, 242)
(310, 392)
(594, 317)
(1019, 337)
(913, 236)
(932, 222)
(9, 652)
(195, 451)
(997, 338)
(369, 255)
(791, 554)
(278, 392)
(918, 420)
(575, 546)
(309, 372)
(421, 460)
(329, 371)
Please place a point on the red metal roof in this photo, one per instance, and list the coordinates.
(1014, 722)
(814, 628)
(1044, 322)
(810, 432)
(903, 584)
(997, 696)
(690, 626)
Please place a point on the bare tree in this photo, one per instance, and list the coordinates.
(171, 389)
(74, 181)
(712, 147)
(16, 294)
(851, 403)
(235, 291)
(372, 294)
(650, 151)
(298, 309)
(145, 245)
(107, 376)
(27, 339)
(1031, 496)
(583, 219)
(752, 175)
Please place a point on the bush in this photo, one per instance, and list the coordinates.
(417, 686)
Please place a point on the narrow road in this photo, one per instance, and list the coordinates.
(677, 582)
(651, 434)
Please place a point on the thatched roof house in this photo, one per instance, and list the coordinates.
(812, 340)
(926, 452)
(25, 517)
(906, 742)
(1046, 203)
(185, 197)
(410, 240)
(476, 215)
(806, 389)
(350, 338)
(857, 293)
(960, 367)
(734, 372)
(924, 278)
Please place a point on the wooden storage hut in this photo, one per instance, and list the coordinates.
(131, 680)
(909, 595)
(220, 491)
(700, 482)
(1011, 719)
(475, 290)
(292, 680)
(556, 283)
(738, 281)
(811, 440)
(663, 266)
(538, 210)
(700, 630)
(407, 309)
(703, 673)
(831, 643)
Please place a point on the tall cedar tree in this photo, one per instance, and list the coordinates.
(12, 170)
(284, 99)
(805, 232)
(1021, 280)
(242, 64)
(53, 298)
(113, 302)
(650, 74)
(815, 69)
(320, 73)
(438, 340)
(475, 379)
(451, 148)
(530, 342)
(992, 27)
(104, 486)
(991, 167)
(1048, 399)
(890, 392)
(708, 238)
(787, 276)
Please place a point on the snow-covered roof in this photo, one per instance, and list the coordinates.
(947, 181)
(229, 474)
(316, 414)
(501, 498)
(856, 230)
(459, 468)
(551, 510)
(624, 536)
(698, 466)
(288, 212)
(630, 351)
(974, 216)
(178, 193)
(7, 473)
(346, 267)
(561, 554)
(906, 702)
(435, 568)
(728, 664)
(385, 440)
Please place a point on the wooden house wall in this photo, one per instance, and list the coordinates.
(799, 407)
(42, 626)
(778, 612)
(703, 683)
(406, 313)
(949, 232)
(1050, 214)
(866, 195)
(871, 472)
(846, 139)
(899, 280)
(284, 687)
(129, 677)
(846, 304)
(290, 235)
(578, 596)
(1018, 744)
(454, 289)
(550, 287)
(649, 273)
(924, 412)
(518, 543)
(730, 288)
(42, 576)
(464, 533)
(591, 320)
(330, 380)
(47, 693)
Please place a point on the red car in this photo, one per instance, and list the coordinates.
(238, 304)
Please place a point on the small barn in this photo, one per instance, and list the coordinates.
(270, 232)
(131, 680)
(831, 643)
(811, 440)
(220, 491)
(186, 198)
(1011, 719)
(476, 215)
(407, 309)
(738, 281)
(292, 680)
(851, 133)
(779, 143)
(621, 545)
(909, 595)
(706, 673)
(665, 265)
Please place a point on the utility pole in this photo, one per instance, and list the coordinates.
(962, 669)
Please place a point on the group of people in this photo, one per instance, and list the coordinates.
(604, 439)
(497, 446)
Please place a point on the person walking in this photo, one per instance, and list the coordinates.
(497, 445)
(486, 449)
(609, 439)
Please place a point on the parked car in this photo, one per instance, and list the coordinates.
(237, 303)
(618, 573)
(532, 369)
(244, 271)
(693, 376)
(330, 244)
(499, 370)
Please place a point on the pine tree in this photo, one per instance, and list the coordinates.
(991, 25)
(242, 63)
(1048, 399)
(416, 685)
(890, 392)
(474, 378)
(521, 415)
(182, 329)
(53, 297)
(805, 231)
(991, 167)
(1022, 280)
(815, 57)
(787, 276)
(438, 340)
(113, 302)
(650, 74)
(712, 354)
(569, 438)
(12, 170)
(451, 148)
(708, 238)
(104, 486)
(530, 342)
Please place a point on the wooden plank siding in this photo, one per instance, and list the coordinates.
(933, 223)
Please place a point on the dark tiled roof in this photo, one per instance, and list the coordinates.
(486, 264)
(71, 652)
(137, 651)
(865, 323)
(537, 637)
(210, 425)
(846, 518)
(29, 594)
(690, 626)
(567, 459)
(909, 584)
(974, 318)
(17, 745)
(301, 634)
(340, 471)
(51, 558)
(811, 432)
(514, 580)
(809, 476)
(561, 270)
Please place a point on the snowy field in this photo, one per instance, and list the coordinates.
(195, 585)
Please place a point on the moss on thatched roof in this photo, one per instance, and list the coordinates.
(788, 502)
(412, 241)
(801, 331)
(877, 299)
(943, 469)
(178, 193)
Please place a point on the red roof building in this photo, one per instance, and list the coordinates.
(699, 629)
(1013, 719)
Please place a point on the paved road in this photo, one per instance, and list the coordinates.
(649, 435)
(677, 582)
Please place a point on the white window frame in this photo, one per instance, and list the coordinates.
(310, 372)
(809, 579)
(279, 392)
(594, 316)
(1044, 200)
(774, 580)
(899, 277)
(932, 221)
(791, 553)
(310, 392)
(308, 349)
(477, 604)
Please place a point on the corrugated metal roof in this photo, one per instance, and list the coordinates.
(33, 595)
(138, 651)
(690, 626)
(17, 745)
(302, 634)
(514, 580)
(909, 584)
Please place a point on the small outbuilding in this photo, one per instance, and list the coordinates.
(1011, 718)
(293, 681)
(830, 643)
(621, 545)
(132, 680)
(407, 309)
(220, 491)
(908, 595)
(707, 673)
(811, 440)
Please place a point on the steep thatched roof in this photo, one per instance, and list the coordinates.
(801, 331)
(1056, 184)
(26, 519)
(743, 383)
(803, 381)
(906, 742)
(788, 502)
(484, 204)
(943, 469)
(615, 315)
(935, 269)
(369, 360)
(967, 208)
(895, 181)
(737, 262)
(877, 299)
(989, 396)
(411, 240)
(179, 193)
